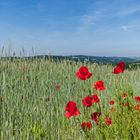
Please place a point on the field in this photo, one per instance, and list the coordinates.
(34, 94)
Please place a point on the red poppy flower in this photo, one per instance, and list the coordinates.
(95, 116)
(120, 68)
(113, 109)
(99, 85)
(121, 65)
(95, 98)
(137, 99)
(125, 104)
(86, 126)
(111, 102)
(137, 107)
(87, 101)
(108, 121)
(57, 87)
(71, 109)
(124, 95)
(83, 73)
(117, 70)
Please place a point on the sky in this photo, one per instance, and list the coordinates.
(70, 27)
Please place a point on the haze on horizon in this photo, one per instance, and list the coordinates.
(62, 27)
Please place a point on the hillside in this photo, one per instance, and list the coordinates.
(93, 59)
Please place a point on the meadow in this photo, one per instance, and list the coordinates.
(34, 94)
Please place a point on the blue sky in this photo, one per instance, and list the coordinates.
(68, 27)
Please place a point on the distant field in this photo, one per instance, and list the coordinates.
(34, 94)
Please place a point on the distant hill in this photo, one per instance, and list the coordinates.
(93, 59)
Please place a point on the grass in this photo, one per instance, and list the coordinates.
(31, 108)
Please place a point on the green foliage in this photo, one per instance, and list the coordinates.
(38, 131)
(32, 108)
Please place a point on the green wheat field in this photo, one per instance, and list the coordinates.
(35, 92)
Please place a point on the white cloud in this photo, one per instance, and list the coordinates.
(89, 20)
(129, 11)
(124, 28)
(103, 12)
(129, 27)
